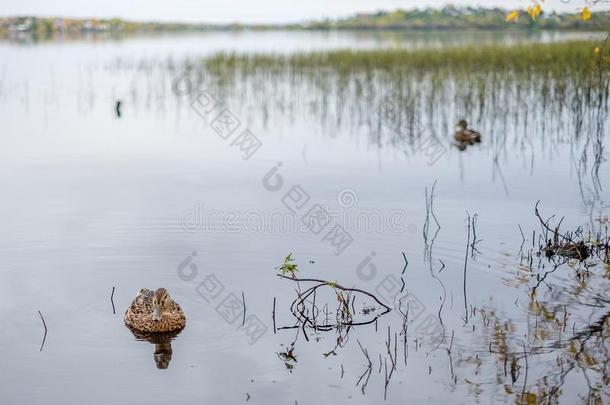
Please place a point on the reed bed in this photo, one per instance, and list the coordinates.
(521, 96)
(557, 59)
(559, 89)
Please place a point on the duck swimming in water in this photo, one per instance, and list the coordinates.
(154, 311)
(464, 135)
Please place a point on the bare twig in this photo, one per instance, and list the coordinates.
(465, 266)
(298, 303)
(45, 330)
(274, 328)
(522, 238)
(526, 369)
(243, 300)
(112, 300)
(369, 368)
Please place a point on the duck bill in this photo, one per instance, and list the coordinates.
(157, 314)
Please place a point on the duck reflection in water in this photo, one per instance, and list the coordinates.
(162, 343)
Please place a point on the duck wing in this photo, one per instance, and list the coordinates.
(140, 307)
(475, 136)
(462, 135)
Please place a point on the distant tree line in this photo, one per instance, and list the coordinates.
(447, 18)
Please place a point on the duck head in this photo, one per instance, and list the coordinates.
(161, 303)
(461, 125)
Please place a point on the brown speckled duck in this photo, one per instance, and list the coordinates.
(154, 311)
(464, 135)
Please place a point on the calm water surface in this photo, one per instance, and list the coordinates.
(156, 198)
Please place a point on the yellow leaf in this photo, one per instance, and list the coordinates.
(534, 12)
(537, 9)
(512, 16)
(586, 14)
(597, 50)
(529, 398)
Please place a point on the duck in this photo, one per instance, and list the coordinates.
(464, 135)
(154, 312)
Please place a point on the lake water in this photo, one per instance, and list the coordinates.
(96, 206)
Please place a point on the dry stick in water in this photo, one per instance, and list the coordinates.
(473, 248)
(465, 265)
(388, 377)
(386, 380)
(405, 325)
(313, 309)
(402, 279)
(526, 368)
(45, 330)
(243, 300)
(112, 300)
(522, 238)
(395, 348)
(336, 285)
(545, 226)
(368, 370)
(450, 358)
(274, 329)
(389, 348)
(298, 305)
(442, 266)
